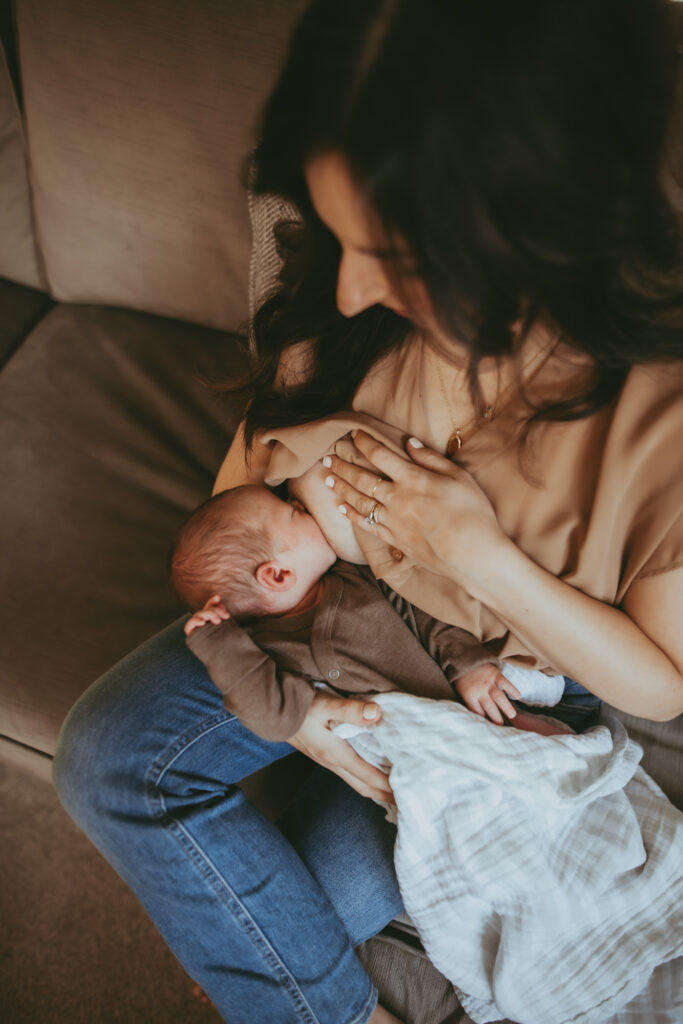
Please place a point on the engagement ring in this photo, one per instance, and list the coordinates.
(372, 519)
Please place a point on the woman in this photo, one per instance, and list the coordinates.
(487, 260)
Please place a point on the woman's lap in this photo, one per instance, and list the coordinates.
(148, 764)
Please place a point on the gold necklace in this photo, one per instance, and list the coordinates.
(462, 432)
(457, 439)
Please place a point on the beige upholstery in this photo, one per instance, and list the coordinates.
(18, 257)
(139, 117)
(107, 440)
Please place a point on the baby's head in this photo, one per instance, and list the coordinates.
(261, 554)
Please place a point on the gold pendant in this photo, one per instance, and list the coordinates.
(455, 443)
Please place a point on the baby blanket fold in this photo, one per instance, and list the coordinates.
(544, 874)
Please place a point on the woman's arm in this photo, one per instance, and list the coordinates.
(235, 470)
(631, 657)
(435, 512)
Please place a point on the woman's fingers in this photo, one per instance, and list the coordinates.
(373, 485)
(393, 466)
(363, 777)
(350, 709)
(317, 741)
(348, 494)
(418, 498)
(428, 457)
(382, 795)
(347, 510)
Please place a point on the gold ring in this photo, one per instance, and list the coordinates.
(372, 519)
(378, 481)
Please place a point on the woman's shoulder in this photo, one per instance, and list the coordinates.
(653, 381)
(649, 410)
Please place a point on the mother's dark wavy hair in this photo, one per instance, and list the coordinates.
(516, 147)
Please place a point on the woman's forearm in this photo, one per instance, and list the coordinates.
(435, 512)
(594, 643)
(236, 469)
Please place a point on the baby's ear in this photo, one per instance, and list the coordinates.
(272, 576)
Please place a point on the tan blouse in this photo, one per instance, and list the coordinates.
(597, 502)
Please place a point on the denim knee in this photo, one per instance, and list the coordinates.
(154, 719)
(119, 724)
(87, 761)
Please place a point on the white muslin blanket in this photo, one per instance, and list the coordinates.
(543, 874)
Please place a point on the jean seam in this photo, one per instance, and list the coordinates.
(210, 872)
(368, 1007)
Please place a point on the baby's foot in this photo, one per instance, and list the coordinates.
(382, 1016)
(542, 724)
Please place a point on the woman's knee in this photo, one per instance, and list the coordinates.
(150, 733)
(122, 723)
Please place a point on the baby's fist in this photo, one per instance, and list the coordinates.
(214, 611)
(485, 691)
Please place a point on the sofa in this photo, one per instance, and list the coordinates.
(125, 248)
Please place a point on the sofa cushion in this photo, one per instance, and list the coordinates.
(20, 309)
(107, 440)
(139, 117)
(18, 255)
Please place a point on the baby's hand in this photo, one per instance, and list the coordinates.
(213, 611)
(484, 691)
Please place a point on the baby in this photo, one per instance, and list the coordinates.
(276, 612)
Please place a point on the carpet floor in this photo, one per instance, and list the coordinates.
(71, 931)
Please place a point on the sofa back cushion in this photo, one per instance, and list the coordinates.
(18, 256)
(139, 116)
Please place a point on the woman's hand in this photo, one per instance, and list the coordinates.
(316, 740)
(429, 508)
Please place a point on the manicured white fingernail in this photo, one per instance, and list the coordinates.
(370, 711)
(327, 461)
(414, 443)
(329, 481)
(342, 509)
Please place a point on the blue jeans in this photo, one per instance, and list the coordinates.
(265, 918)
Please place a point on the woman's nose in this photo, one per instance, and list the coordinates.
(361, 283)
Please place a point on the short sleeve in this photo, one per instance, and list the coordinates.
(668, 551)
(651, 465)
